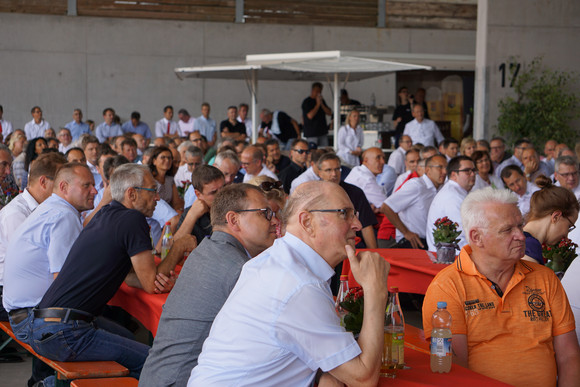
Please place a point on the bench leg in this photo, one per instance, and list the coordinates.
(5, 343)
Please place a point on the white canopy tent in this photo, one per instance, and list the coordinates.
(330, 66)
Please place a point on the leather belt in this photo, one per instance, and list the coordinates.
(18, 315)
(62, 315)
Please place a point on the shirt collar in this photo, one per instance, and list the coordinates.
(311, 259)
(54, 197)
(465, 264)
(29, 199)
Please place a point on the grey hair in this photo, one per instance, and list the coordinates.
(229, 155)
(184, 145)
(125, 177)
(473, 211)
(566, 160)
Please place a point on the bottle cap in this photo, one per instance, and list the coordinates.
(394, 289)
(344, 277)
(168, 223)
(441, 305)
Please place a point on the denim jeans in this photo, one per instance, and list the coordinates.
(78, 340)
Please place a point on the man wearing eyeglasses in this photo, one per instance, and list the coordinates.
(252, 161)
(407, 208)
(193, 158)
(243, 226)
(298, 156)
(279, 325)
(517, 159)
(567, 174)
(447, 202)
(114, 247)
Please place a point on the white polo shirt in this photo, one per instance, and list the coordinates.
(447, 203)
(412, 204)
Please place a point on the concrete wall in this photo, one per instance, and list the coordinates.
(523, 30)
(63, 62)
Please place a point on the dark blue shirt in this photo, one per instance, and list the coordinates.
(534, 248)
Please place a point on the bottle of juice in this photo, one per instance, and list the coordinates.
(167, 241)
(441, 339)
(342, 293)
(394, 344)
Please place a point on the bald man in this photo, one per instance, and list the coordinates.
(250, 344)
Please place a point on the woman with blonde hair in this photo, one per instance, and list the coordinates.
(468, 146)
(275, 195)
(553, 213)
(350, 139)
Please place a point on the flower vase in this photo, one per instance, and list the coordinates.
(445, 252)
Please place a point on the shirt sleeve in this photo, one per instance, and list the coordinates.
(62, 233)
(137, 238)
(316, 338)
(562, 315)
(402, 199)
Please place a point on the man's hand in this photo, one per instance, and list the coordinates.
(413, 239)
(375, 209)
(198, 208)
(530, 167)
(370, 270)
(185, 244)
(163, 283)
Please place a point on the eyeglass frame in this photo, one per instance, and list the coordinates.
(268, 212)
(151, 190)
(342, 212)
(466, 170)
(301, 151)
(572, 227)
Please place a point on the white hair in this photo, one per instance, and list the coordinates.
(125, 177)
(473, 211)
(184, 145)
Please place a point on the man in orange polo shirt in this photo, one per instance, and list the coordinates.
(511, 318)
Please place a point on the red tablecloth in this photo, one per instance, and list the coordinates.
(411, 270)
(143, 306)
(420, 375)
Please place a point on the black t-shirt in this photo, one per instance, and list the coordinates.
(317, 125)
(202, 227)
(288, 175)
(99, 260)
(403, 111)
(282, 163)
(239, 127)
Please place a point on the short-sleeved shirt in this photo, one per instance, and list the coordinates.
(281, 336)
(99, 260)
(288, 174)
(202, 227)
(509, 338)
(12, 216)
(104, 131)
(412, 203)
(363, 178)
(38, 250)
(239, 127)
(361, 204)
(317, 125)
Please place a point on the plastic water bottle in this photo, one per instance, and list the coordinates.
(394, 336)
(441, 339)
(340, 297)
(167, 241)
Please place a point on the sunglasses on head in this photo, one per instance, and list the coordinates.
(269, 186)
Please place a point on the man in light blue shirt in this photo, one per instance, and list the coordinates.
(40, 246)
(279, 324)
(205, 125)
(108, 129)
(77, 126)
(135, 125)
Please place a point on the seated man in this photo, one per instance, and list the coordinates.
(298, 157)
(412, 157)
(193, 158)
(279, 325)
(364, 176)
(450, 148)
(243, 227)
(195, 220)
(407, 208)
(252, 160)
(447, 202)
(533, 167)
(275, 157)
(513, 178)
(511, 318)
(566, 173)
(114, 247)
(397, 157)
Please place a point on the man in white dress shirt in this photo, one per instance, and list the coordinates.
(65, 139)
(422, 130)
(193, 158)
(5, 126)
(566, 173)
(407, 208)
(412, 157)
(397, 158)
(40, 185)
(261, 335)
(185, 122)
(364, 176)
(447, 202)
(37, 126)
(252, 161)
(165, 126)
(90, 145)
(513, 178)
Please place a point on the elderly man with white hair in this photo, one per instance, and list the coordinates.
(511, 318)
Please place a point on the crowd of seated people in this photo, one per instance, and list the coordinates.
(116, 185)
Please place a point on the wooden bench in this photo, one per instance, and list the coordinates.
(69, 370)
(110, 382)
(415, 339)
